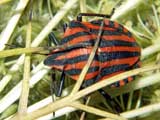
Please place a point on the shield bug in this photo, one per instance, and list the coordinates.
(117, 51)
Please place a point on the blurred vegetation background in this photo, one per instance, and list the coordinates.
(142, 18)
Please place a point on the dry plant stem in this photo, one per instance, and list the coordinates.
(143, 26)
(22, 109)
(156, 15)
(141, 111)
(83, 113)
(7, 32)
(106, 119)
(83, 7)
(135, 85)
(150, 50)
(87, 65)
(19, 51)
(122, 102)
(5, 80)
(4, 1)
(69, 99)
(139, 99)
(126, 8)
(49, 8)
(129, 104)
(54, 21)
(96, 111)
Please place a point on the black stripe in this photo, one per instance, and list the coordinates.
(126, 80)
(75, 24)
(109, 43)
(107, 56)
(89, 81)
(113, 69)
(98, 23)
(78, 71)
(101, 57)
(116, 84)
(71, 60)
(105, 32)
(49, 61)
(69, 38)
(111, 24)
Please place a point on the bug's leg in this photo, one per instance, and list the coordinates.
(52, 39)
(60, 88)
(65, 27)
(52, 86)
(79, 17)
(57, 86)
(115, 106)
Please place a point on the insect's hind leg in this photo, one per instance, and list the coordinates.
(61, 85)
(115, 106)
(57, 86)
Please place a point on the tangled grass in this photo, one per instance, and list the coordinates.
(25, 81)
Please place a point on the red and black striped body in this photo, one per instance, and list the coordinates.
(117, 52)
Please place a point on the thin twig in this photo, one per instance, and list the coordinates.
(4, 1)
(83, 7)
(22, 109)
(141, 111)
(82, 117)
(125, 8)
(144, 27)
(96, 111)
(129, 104)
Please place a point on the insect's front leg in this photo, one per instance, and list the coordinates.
(52, 39)
(65, 25)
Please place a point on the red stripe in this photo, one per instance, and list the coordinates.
(80, 39)
(71, 31)
(75, 53)
(58, 67)
(121, 82)
(119, 48)
(88, 76)
(80, 65)
(130, 79)
(116, 25)
(119, 37)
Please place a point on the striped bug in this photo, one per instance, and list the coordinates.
(117, 51)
